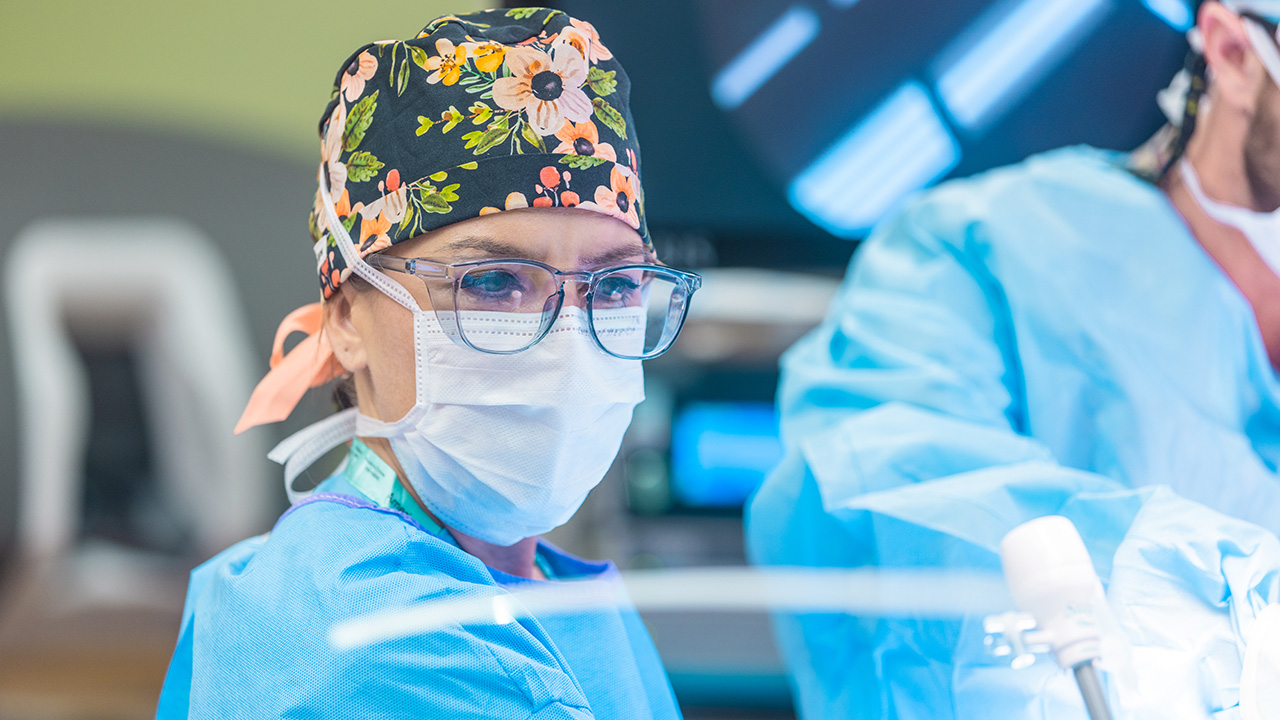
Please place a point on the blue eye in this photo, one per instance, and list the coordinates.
(618, 290)
(493, 289)
(489, 281)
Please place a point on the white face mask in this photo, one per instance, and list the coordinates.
(500, 447)
(505, 447)
(1262, 229)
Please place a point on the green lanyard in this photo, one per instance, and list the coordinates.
(376, 480)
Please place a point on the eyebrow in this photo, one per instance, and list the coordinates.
(495, 248)
(624, 252)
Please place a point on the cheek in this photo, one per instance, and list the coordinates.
(391, 364)
(1262, 150)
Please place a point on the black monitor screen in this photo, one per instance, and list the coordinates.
(779, 125)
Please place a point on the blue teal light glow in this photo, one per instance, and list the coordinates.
(764, 57)
(902, 146)
(722, 451)
(1174, 12)
(1007, 51)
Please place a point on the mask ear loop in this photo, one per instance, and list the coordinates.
(1196, 69)
(301, 450)
(366, 425)
(1264, 45)
(370, 274)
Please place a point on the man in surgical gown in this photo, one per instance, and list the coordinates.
(1065, 336)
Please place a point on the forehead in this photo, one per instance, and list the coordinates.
(557, 236)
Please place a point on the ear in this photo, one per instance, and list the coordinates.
(342, 335)
(1234, 69)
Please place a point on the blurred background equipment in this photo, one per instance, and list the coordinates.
(773, 131)
(130, 348)
(155, 313)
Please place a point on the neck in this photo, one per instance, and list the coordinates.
(1218, 181)
(1217, 154)
(518, 559)
(1228, 247)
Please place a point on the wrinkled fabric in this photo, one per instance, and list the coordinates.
(1042, 339)
(254, 637)
(1260, 681)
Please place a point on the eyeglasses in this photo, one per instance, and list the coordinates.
(633, 311)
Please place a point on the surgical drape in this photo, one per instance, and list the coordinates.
(1043, 339)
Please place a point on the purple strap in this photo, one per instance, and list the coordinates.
(349, 501)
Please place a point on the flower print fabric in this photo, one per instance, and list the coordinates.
(547, 90)
(583, 139)
(358, 72)
(589, 44)
(479, 113)
(446, 67)
(488, 56)
(619, 198)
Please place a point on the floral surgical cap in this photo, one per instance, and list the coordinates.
(478, 114)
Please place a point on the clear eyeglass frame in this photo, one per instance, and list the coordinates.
(443, 281)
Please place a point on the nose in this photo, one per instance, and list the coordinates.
(575, 286)
(575, 293)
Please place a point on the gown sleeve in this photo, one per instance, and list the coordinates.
(175, 694)
(254, 640)
(907, 447)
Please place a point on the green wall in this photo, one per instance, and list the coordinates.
(252, 72)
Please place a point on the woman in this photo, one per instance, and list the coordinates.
(489, 289)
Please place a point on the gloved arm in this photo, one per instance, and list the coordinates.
(908, 446)
(1187, 585)
(913, 378)
(903, 421)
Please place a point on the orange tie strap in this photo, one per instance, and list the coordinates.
(309, 364)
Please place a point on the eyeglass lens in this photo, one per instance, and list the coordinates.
(635, 312)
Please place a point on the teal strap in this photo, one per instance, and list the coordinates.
(369, 474)
(543, 565)
(377, 481)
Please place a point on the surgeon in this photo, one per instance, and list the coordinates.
(489, 291)
(1090, 334)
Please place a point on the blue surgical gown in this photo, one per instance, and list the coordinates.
(254, 637)
(1046, 338)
